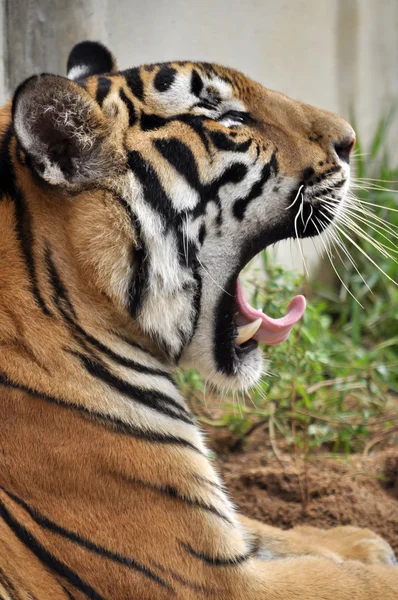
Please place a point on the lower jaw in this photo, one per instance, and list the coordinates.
(239, 364)
(232, 358)
(245, 348)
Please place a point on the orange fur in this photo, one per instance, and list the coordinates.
(89, 508)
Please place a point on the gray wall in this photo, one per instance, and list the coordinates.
(336, 54)
(3, 58)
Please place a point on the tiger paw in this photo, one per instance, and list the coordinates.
(352, 543)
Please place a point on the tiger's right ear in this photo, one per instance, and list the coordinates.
(90, 58)
(63, 131)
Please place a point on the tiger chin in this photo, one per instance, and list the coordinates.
(130, 201)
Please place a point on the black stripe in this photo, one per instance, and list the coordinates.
(172, 219)
(134, 81)
(182, 159)
(9, 187)
(208, 103)
(209, 483)
(240, 205)
(122, 360)
(8, 585)
(140, 278)
(180, 156)
(46, 557)
(56, 282)
(202, 234)
(224, 142)
(60, 293)
(196, 83)
(141, 262)
(164, 78)
(217, 561)
(239, 116)
(129, 106)
(233, 174)
(103, 87)
(131, 343)
(195, 122)
(116, 425)
(172, 492)
(85, 542)
(196, 587)
(150, 122)
(7, 174)
(67, 592)
(196, 303)
(25, 237)
(153, 191)
(224, 326)
(20, 154)
(149, 398)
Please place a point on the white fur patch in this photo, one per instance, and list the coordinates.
(78, 72)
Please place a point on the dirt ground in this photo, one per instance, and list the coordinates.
(323, 491)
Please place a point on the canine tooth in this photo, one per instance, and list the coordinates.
(247, 331)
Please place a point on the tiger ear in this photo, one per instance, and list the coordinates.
(89, 58)
(62, 130)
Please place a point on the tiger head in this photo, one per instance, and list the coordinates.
(175, 176)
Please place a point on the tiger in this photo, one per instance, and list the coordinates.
(130, 202)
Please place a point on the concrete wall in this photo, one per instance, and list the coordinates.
(3, 58)
(337, 54)
(40, 33)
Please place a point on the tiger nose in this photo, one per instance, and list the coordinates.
(343, 148)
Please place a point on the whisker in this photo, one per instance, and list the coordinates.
(349, 238)
(299, 242)
(309, 218)
(353, 226)
(363, 205)
(210, 277)
(296, 198)
(364, 213)
(356, 211)
(337, 240)
(331, 261)
(301, 209)
(377, 228)
(374, 179)
(185, 239)
(373, 187)
(374, 205)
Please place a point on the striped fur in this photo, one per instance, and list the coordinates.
(129, 202)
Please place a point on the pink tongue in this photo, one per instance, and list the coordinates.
(272, 331)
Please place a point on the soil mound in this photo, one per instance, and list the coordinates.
(324, 491)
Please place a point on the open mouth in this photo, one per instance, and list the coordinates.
(239, 327)
(255, 326)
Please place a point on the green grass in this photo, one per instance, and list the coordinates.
(334, 384)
